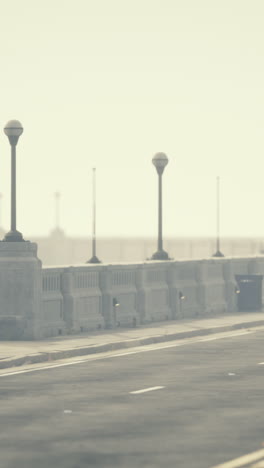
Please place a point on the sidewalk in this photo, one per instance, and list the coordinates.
(16, 353)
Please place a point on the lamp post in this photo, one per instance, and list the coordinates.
(94, 258)
(13, 130)
(218, 252)
(160, 160)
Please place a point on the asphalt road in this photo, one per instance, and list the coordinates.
(208, 411)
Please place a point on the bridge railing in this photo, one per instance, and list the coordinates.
(38, 302)
(52, 306)
(88, 297)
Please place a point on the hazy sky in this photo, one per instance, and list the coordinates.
(108, 83)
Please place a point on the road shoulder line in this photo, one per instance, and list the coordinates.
(113, 346)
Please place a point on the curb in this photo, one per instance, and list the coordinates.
(94, 349)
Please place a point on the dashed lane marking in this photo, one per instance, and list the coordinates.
(144, 390)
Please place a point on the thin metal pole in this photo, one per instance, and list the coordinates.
(218, 252)
(160, 215)
(160, 254)
(13, 188)
(94, 258)
(13, 235)
(94, 212)
(218, 214)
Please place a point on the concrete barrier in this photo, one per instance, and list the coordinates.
(153, 291)
(52, 307)
(37, 303)
(122, 280)
(82, 299)
(213, 286)
(187, 284)
(20, 291)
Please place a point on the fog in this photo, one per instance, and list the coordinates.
(107, 85)
(59, 249)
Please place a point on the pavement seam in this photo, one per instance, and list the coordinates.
(94, 349)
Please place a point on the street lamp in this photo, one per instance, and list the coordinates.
(218, 252)
(13, 130)
(94, 258)
(160, 160)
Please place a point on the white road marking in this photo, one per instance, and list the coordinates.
(41, 368)
(228, 335)
(137, 350)
(258, 465)
(242, 461)
(261, 363)
(144, 390)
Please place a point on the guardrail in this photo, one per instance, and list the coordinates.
(80, 298)
(38, 302)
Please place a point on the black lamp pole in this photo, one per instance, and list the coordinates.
(94, 258)
(218, 252)
(13, 130)
(160, 160)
